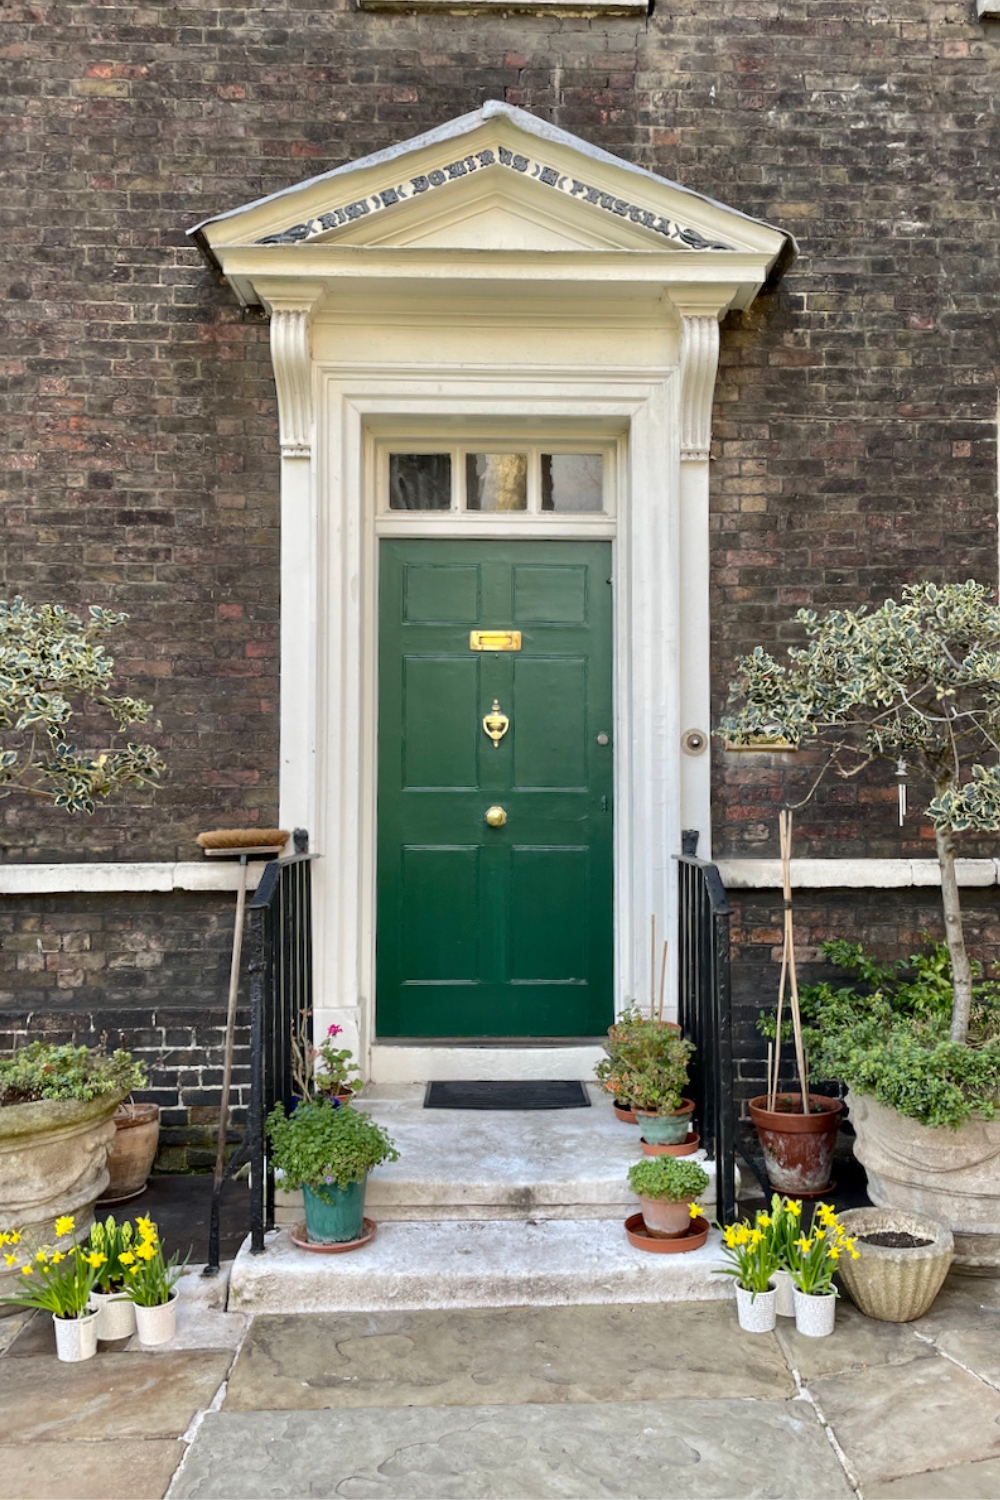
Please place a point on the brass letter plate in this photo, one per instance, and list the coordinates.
(494, 640)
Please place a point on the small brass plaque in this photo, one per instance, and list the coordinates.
(494, 640)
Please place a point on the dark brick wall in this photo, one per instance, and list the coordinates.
(888, 923)
(149, 973)
(855, 425)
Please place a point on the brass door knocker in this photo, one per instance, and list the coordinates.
(496, 724)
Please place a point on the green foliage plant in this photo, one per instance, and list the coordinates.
(53, 667)
(321, 1142)
(670, 1177)
(42, 1071)
(887, 1034)
(915, 682)
(647, 1063)
(112, 1240)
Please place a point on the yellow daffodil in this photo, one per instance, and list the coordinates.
(26, 1270)
(833, 1253)
(65, 1224)
(57, 1256)
(3, 1239)
(146, 1227)
(855, 1254)
(820, 1234)
(803, 1244)
(133, 1270)
(13, 1237)
(94, 1259)
(11, 1260)
(126, 1258)
(145, 1251)
(41, 1257)
(764, 1221)
(794, 1207)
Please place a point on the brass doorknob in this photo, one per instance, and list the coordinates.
(496, 817)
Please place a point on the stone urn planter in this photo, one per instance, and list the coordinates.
(137, 1135)
(53, 1160)
(895, 1283)
(951, 1176)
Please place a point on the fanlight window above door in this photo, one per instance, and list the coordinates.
(498, 479)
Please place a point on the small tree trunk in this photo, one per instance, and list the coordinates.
(955, 937)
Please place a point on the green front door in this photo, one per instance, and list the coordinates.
(504, 930)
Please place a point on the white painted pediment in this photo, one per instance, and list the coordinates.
(500, 183)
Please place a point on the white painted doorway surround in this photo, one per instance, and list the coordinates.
(494, 275)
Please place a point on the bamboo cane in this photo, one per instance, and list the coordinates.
(652, 967)
(785, 827)
(663, 980)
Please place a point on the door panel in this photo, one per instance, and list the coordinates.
(494, 931)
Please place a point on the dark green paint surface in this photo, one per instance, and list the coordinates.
(494, 932)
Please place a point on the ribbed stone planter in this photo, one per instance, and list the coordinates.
(951, 1176)
(53, 1160)
(895, 1284)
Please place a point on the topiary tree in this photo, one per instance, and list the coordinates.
(52, 667)
(915, 682)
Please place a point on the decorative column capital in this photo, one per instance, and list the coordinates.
(291, 312)
(699, 364)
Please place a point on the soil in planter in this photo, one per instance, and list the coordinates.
(894, 1239)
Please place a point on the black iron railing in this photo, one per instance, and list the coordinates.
(280, 917)
(705, 1013)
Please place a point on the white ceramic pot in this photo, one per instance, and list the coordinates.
(784, 1288)
(755, 1314)
(814, 1316)
(951, 1176)
(157, 1325)
(115, 1315)
(76, 1338)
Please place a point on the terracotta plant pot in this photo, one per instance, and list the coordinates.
(660, 1216)
(951, 1176)
(895, 1283)
(624, 1111)
(686, 1147)
(798, 1148)
(137, 1136)
(669, 1129)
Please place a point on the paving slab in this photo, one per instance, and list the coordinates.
(38, 1336)
(130, 1470)
(11, 1325)
(855, 1343)
(893, 1420)
(524, 1354)
(110, 1396)
(202, 1319)
(976, 1349)
(958, 1482)
(491, 1263)
(679, 1450)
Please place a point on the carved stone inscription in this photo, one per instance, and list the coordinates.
(500, 156)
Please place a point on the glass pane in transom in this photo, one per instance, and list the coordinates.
(420, 481)
(573, 481)
(496, 481)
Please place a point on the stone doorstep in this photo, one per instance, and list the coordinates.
(498, 1164)
(492, 1263)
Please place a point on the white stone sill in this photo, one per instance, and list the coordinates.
(852, 874)
(72, 879)
(514, 7)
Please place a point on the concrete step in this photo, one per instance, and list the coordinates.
(550, 1262)
(498, 1164)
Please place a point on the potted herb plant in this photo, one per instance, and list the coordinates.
(668, 1190)
(913, 684)
(328, 1150)
(59, 1281)
(57, 1108)
(336, 1074)
(650, 1068)
(752, 1250)
(115, 1308)
(813, 1261)
(151, 1284)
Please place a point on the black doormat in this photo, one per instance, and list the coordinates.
(522, 1093)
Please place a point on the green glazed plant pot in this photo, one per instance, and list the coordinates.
(666, 1130)
(334, 1215)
